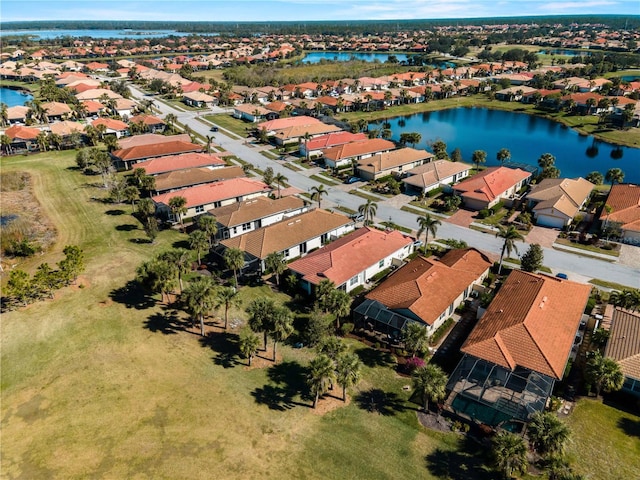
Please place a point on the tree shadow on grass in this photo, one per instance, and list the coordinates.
(166, 322)
(140, 240)
(132, 296)
(127, 227)
(465, 462)
(115, 212)
(287, 381)
(629, 426)
(374, 358)
(378, 401)
(225, 344)
(181, 244)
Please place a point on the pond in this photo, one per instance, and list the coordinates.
(566, 53)
(14, 97)
(316, 57)
(526, 136)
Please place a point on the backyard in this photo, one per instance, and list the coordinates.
(105, 381)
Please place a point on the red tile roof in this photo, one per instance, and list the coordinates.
(348, 256)
(110, 123)
(156, 150)
(22, 133)
(215, 192)
(356, 149)
(624, 200)
(530, 323)
(286, 122)
(179, 162)
(333, 139)
(491, 183)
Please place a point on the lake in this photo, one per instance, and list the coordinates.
(13, 97)
(526, 136)
(49, 34)
(316, 57)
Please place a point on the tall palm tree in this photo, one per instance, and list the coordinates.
(348, 367)
(180, 259)
(509, 453)
(234, 259)
(430, 382)
(510, 234)
(416, 337)
(199, 297)
(249, 344)
(547, 433)
(260, 313)
(604, 374)
(614, 175)
(227, 297)
(340, 304)
(4, 114)
(321, 375)
(280, 181)
(368, 211)
(503, 155)
(198, 241)
(281, 327)
(275, 263)
(209, 225)
(178, 206)
(208, 144)
(318, 192)
(428, 225)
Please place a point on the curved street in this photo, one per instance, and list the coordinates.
(578, 267)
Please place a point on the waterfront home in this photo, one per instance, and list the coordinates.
(518, 349)
(17, 114)
(201, 198)
(351, 261)
(435, 174)
(297, 133)
(394, 162)
(342, 155)
(56, 111)
(624, 204)
(272, 126)
(624, 347)
(425, 291)
(491, 186)
(242, 217)
(314, 146)
(555, 202)
(292, 237)
(514, 94)
(22, 138)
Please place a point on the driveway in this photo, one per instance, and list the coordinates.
(462, 218)
(545, 237)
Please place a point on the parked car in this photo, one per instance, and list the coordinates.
(351, 180)
(358, 217)
(562, 276)
(213, 129)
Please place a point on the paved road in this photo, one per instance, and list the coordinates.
(577, 267)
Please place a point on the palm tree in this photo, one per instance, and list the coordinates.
(159, 276)
(321, 375)
(260, 313)
(478, 157)
(547, 433)
(234, 259)
(604, 373)
(198, 241)
(227, 297)
(428, 224)
(318, 192)
(510, 453)
(280, 180)
(348, 366)
(131, 194)
(275, 262)
(249, 343)
(510, 234)
(208, 144)
(199, 297)
(4, 114)
(180, 259)
(281, 327)
(209, 225)
(178, 206)
(503, 155)
(614, 175)
(368, 211)
(416, 337)
(430, 382)
(323, 294)
(340, 304)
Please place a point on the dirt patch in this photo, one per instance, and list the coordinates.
(433, 422)
(262, 360)
(329, 403)
(29, 221)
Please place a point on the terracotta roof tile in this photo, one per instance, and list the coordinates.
(386, 160)
(194, 176)
(182, 161)
(333, 139)
(22, 133)
(156, 150)
(624, 200)
(624, 341)
(491, 183)
(254, 209)
(355, 149)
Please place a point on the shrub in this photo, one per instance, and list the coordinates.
(435, 192)
(346, 329)
(484, 213)
(413, 363)
(377, 345)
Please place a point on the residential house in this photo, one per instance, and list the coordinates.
(297, 133)
(293, 237)
(127, 157)
(435, 174)
(352, 260)
(242, 217)
(57, 111)
(624, 347)
(112, 126)
(170, 163)
(199, 99)
(150, 123)
(394, 162)
(22, 138)
(624, 204)
(125, 108)
(66, 130)
(556, 201)
(272, 126)
(514, 94)
(491, 186)
(341, 155)
(314, 146)
(201, 198)
(253, 113)
(518, 349)
(189, 177)
(425, 291)
(17, 114)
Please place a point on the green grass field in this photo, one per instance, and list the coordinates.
(104, 382)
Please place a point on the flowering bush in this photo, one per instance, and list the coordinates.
(414, 363)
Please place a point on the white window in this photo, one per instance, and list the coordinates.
(286, 253)
(246, 226)
(381, 263)
(200, 209)
(353, 281)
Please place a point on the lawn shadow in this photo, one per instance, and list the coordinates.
(379, 401)
(374, 358)
(140, 240)
(288, 381)
(225, 344)
(132, 295)
(629, 426)
(127, 227)
(166, 322)
(465, 462)
(181, 244)
(115, 212)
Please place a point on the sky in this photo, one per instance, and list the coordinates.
(301, 10)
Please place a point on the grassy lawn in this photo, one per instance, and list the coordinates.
(227, 122)
(588, 248)
(605, 284)
(324, 180)
(622, 73)
(605, 442)
(360, 194)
